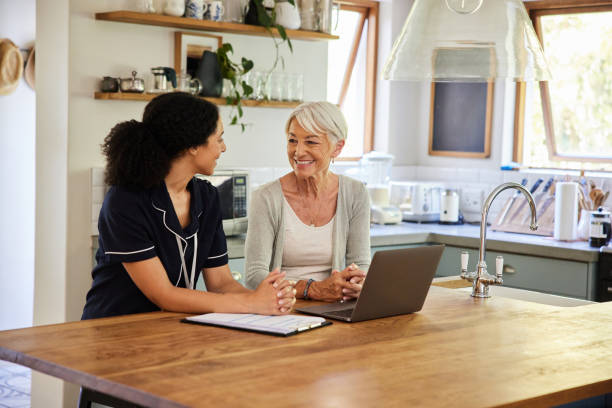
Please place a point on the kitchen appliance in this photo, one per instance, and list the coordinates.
(133, 84)
(233, 188)
(599, 234)
(449, 206)
(110, 84)
(604, 279)
(375, 168)
(164, 79)
(418, 201)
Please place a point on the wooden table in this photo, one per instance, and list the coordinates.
(458, 351)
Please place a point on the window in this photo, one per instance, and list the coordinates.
(567, 122)
(351, 79)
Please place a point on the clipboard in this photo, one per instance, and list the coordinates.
(283, 326)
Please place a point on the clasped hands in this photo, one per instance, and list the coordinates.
(340, 286)
(275, 295)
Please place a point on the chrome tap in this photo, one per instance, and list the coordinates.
(481, 278)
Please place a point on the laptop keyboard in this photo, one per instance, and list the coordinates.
(341, 313)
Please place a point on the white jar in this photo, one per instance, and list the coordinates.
(449, 206)
(174, 8)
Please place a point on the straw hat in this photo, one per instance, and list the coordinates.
(28, 72)
(11, 66)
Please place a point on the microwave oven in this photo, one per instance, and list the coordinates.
(233, 188)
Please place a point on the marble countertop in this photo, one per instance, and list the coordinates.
(467, 236)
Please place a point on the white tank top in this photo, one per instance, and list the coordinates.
(307, 251)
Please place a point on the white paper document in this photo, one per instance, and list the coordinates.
(283, 325)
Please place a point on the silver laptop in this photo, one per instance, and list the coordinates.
(397, 283)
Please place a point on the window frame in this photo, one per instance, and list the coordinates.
(369, 10)
(537, 9)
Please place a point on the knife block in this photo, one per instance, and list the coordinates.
(518, 222)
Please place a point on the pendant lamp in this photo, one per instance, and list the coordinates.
(467, 41)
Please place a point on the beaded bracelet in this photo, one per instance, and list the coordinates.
(305, 294)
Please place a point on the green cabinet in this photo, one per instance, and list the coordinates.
(555, 276)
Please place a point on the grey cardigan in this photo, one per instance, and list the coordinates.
(266, 231)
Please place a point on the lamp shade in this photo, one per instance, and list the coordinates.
(467, 41)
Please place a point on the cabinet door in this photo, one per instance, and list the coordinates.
(560, 277)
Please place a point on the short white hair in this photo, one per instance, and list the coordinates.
(320, 118)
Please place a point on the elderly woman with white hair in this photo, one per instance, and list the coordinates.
(311, 223)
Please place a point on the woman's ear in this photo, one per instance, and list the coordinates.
(338, 149)
(193, 151)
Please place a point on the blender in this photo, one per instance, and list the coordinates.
(375, 168)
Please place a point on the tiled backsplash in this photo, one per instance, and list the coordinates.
(474, 184)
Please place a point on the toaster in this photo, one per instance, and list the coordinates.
(418, 201)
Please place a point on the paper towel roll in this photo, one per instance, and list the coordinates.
(566, 211)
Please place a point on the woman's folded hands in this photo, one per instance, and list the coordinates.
(274, 296)
(341, 285)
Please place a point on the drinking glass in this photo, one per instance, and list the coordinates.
(295, 87)
(277, 84)
(264, 86)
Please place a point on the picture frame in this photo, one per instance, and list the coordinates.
(461, 112)
(189, 47)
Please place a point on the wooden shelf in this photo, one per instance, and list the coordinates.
(127, 96)
(134, 17)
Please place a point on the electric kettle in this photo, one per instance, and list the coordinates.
(164, 79)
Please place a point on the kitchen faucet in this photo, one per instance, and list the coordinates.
(480, 278)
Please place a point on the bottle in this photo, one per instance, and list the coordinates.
(600, 228)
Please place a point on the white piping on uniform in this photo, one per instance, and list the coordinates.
(188, 282)
(127, 253)
(218, 256)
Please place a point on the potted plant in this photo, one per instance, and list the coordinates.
(235, 71)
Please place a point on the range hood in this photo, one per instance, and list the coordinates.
(467, 41)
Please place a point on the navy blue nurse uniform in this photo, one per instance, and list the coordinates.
(138, 225)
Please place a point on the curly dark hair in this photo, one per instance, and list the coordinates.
(139, 154)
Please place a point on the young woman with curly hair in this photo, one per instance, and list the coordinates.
(159, 226)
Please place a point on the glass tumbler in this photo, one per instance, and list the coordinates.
(295, 87)
(277, 84)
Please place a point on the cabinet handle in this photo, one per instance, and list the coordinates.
(609, 289)
(509, 270)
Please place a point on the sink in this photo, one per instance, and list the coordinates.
(532, 296)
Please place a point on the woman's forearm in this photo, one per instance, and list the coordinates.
(184, 300)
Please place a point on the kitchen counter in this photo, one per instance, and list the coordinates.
(457, 351)
(467, 236)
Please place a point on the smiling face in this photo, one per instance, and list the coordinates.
(309, 154)
(206, 154)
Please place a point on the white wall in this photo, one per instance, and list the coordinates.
(17, 134)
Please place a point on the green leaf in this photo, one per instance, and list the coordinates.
(289, 45)
(243, 126)
(292, 2)
(239, 110)
(234, 120)
(247, 64)
(247, 89)
(229, 100)
(281, 31)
